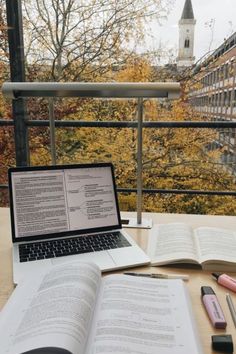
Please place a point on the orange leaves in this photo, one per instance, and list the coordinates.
(136, 69)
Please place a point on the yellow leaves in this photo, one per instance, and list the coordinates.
(172, 158)
(135, 70)
(127, 202)
(40, 157)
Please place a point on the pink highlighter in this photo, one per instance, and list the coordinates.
(213, 307)
(225, 280)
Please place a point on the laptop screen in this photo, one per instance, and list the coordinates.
(59, 200)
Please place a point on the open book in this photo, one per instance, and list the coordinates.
(72, 309)
(212, 248)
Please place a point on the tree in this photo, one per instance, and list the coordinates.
(3, 40)
(89, 35)
(95, 40)
(172, 158)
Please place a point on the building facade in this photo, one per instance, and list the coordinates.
(213, 94)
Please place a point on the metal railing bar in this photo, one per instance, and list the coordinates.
(124, 124)
(5, 122)
(15, 90)
(166, 191)
(134, 124)
(52, 130)
(139, 159)
(87, 124)
(177, 191)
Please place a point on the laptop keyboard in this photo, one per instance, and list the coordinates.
(70, 246)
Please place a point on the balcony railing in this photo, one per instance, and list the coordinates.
(139, 91)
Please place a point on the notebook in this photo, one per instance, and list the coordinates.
(68, 212)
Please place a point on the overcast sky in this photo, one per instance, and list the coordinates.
(219, 14)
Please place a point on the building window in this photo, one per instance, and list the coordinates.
(218, 75)
(220, 99)
(226, 99)
(222, 72)
(214, 77)
(230, 98)
(226, 71)
(231, 70)
(186, 43)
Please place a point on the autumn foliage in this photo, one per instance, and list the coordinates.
(173, 158)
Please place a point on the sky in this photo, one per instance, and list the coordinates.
(216, 20)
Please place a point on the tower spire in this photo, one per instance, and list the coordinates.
(186, 36)
(187, 11)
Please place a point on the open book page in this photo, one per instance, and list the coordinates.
(216, 244)
(172, 243)
(52, 310)
(142, 316)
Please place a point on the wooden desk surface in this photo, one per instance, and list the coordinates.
(197, 277)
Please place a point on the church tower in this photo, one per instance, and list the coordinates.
(186, 36)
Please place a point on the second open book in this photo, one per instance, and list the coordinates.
(73, 310)
(212, 248)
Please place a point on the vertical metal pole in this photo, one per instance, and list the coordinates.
(17, 69)
(52, 130)
(139, 160)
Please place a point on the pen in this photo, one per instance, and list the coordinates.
(231, 308)
(159, 276)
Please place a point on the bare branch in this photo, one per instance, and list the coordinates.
(69, 32)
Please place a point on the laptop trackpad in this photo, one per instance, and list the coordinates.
(102, 259)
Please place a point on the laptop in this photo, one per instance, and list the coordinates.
(68, 212)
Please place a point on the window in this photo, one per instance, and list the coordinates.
(186, 43)
(226, 98)
(226, 71)
(230, 97)
(218, 75)
(222, 72)
(220, 98)
(231, 70)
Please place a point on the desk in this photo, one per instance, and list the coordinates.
(197, 277)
